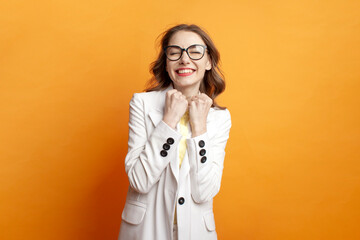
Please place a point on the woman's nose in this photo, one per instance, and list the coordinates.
(185, 58)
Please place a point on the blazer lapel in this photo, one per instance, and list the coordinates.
(155, 116)
(157, 106)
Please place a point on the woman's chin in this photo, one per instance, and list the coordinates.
(186, 84)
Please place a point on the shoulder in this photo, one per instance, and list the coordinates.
(222, 119)
(149, 100)
(221, 113)
(219, 122)
(144, 96)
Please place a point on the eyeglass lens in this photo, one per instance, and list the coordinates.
(195, 52)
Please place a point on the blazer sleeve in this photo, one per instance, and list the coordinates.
(206, 157)
(147, 156)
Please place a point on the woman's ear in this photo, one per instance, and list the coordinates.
(208, 64)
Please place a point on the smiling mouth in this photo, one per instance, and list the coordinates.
(181, 71)
(185, 72)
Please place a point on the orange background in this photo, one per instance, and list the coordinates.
(67, 73)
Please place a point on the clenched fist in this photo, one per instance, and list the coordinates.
(175, 106)
(199, 107)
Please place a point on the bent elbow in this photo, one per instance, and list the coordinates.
(206, 194)
(139, 188)
(139, 184)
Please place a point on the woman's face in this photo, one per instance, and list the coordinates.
(185, 72)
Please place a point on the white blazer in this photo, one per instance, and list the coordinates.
(157, 185)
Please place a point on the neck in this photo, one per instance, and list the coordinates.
(188, 92)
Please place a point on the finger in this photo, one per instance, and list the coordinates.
(193, 98)
(170, 93)
(201, 102)
(193, 104)
(177, 95)
(204, 96)
(182, 99)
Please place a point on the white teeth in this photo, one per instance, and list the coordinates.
(185, 71)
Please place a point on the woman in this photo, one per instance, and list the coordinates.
(176, 147)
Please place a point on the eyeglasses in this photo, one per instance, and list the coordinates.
(195, 52)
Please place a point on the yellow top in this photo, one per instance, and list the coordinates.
(184, 132)
(182, 144)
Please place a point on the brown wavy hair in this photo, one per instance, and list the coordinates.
(213, 83)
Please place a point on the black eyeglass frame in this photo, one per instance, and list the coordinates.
(186, 50)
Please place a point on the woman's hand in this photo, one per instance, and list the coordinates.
(199, 107)
(175, 106)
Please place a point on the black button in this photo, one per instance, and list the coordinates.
(163, 153)
(202, 152)
(181, 201)
(201, 143)
(203, 159)
(166, 146)
(170, 141)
